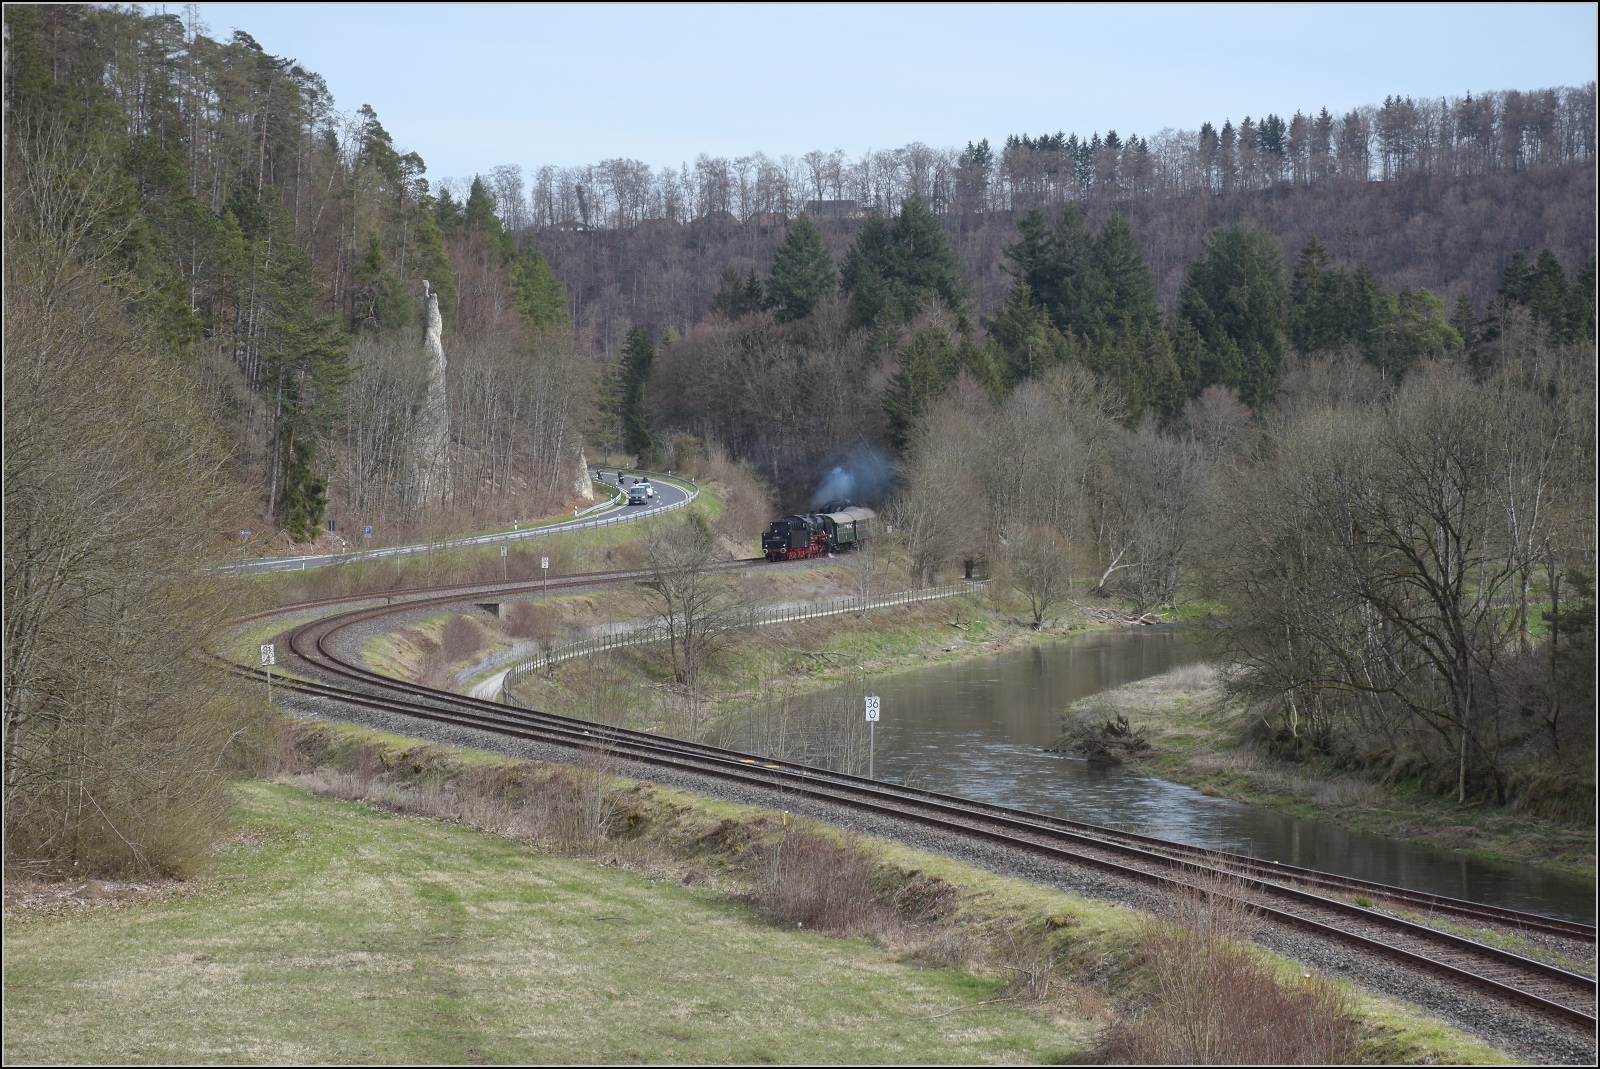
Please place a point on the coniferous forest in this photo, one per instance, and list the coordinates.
(1334, 373)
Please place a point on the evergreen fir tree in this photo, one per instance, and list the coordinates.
(539, 294)
(754, 294)
(638, 434)
(1516, 281)
(1025, 341)
(1236, 298)
(926, 366)
(1122, 289)
(479, 212)
(1058, 264)
(1363, 311)
(864, 275)
(735, 299)
(1581, 296)
(728, 301)
(1317, 316)
(893, 270)
(802, 273)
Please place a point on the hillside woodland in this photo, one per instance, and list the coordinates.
(1333, 372)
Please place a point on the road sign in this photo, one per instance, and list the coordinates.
(244, 533)
(502, 551)
(366, 532)
(872, 708)
(544, 562)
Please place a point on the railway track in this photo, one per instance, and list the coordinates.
(451, 592)
(1300, 898)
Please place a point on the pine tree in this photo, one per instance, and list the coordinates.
(754, 295)
(1580, 309)
(1363, 311)
(735, 299)
(1547, 296)
(892, 271)
(1058, 264)
(923, 262)
(1465, 321)
(802, 273)
(1025, 340)
(728, 301)
(1237, 300)
(539, 294)
(864, 275)
(926, 366)
(1317, 318)
(479, 212)
(1122, 287)
(638, 434)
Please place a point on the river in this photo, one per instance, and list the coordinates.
(978, 728)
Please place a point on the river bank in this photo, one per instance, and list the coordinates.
(1197, 738)
(774, 667)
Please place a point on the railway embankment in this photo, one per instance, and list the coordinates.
(1200, 738)
(337, 929)
(1512, 1030)
(463, 860)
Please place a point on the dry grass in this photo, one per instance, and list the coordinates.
(1193, 677)
(1213, 1001)
(810, 880)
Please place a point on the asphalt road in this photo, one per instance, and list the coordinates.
(668, 496)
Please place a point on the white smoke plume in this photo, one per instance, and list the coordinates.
(862, 478)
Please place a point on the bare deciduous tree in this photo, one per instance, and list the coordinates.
(116, 737)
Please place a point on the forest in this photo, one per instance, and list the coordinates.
(1332, 375)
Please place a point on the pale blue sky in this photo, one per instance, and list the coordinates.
(471, 86)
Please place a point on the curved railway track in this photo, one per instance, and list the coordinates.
(1296, 897)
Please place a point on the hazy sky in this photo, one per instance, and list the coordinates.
(471, 86)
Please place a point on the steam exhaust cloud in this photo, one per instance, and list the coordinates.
(864, 476)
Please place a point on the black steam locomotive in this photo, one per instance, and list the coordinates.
(839, 526)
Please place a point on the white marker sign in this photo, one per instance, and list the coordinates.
(544, 562)
(872, 708)
(269, 655)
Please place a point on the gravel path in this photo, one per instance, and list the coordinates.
(1523, 1033)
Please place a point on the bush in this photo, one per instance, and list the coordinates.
(1217, 1002)
(460, 639)
(809, 879)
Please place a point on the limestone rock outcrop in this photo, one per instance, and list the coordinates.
(583, 486)
(432, 436)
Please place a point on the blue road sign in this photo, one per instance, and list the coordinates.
(366, 532)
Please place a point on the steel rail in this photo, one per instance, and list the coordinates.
(959, 820)
(1087, 844)
(1274, 871)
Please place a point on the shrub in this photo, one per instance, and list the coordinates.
(807, 878)
(1215, 1001)
(460, 639)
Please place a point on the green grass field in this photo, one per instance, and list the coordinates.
(335, 932)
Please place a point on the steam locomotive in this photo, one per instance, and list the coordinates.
(839, 526)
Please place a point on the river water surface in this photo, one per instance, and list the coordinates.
(978, 728)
